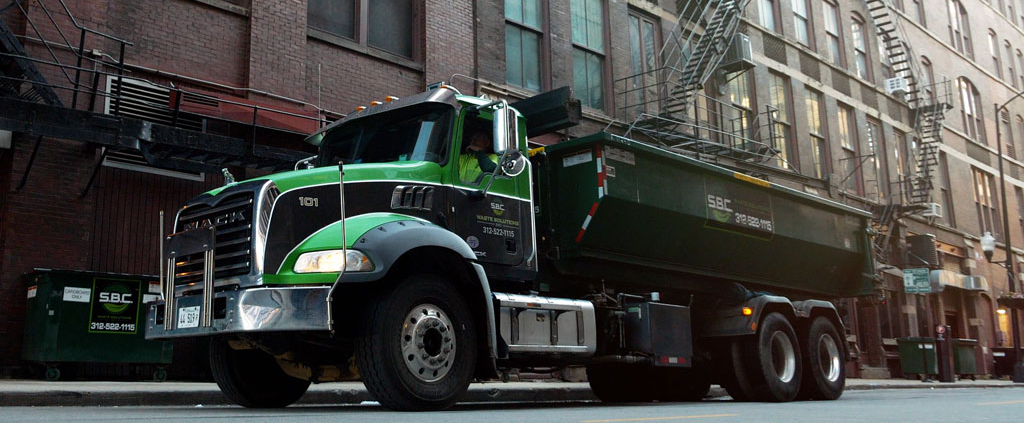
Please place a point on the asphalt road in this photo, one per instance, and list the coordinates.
(927, 405)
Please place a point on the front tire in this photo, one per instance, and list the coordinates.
(418, 346)
(825, 375)
(252, 378)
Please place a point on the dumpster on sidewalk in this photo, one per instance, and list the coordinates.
(88, 317)
(965, 362)
(917, 356)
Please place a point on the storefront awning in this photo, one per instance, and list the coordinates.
(941, 279)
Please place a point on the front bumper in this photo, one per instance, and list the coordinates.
(267, 309)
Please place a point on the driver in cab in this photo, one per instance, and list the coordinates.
(478, 157)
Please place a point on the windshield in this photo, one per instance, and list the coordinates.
(417, 133)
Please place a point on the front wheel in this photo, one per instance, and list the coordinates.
(252, 378)
(418, 348)
(825, 375)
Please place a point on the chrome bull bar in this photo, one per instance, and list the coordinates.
(194, 241)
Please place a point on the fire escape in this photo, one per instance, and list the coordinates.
(666, 106)
(928, 105)
(165, 126)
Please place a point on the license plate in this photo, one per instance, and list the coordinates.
(188, 317)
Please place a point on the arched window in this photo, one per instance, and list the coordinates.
(970, 111)
(860, 47)
(959, 29)
(1011, 73)
(927, 78)
(993, 49)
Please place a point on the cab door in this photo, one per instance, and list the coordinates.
(497, 224)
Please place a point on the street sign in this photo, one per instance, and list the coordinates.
(916, 281)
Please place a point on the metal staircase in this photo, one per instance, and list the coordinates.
(691, 56)
(19, 76)
(927, 103)
(664, 106)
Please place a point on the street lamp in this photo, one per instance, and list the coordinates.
(1018, 366)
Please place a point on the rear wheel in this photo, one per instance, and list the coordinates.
(418, 346)
(825, 375)
(772, 364)
(252, 378)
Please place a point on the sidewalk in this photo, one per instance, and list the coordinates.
(40, 393)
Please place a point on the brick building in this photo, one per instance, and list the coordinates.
(819, 78)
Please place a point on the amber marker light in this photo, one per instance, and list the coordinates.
(375, 103)
(747, 311)
(360, 108)
(390, 98)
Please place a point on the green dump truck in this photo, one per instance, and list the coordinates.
(660, 273)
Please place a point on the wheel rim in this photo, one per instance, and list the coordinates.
(783, 357)
(428, 343)
(828, 356)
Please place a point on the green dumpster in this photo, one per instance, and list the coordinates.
(965, 362)
(88, 317)
(915, 354)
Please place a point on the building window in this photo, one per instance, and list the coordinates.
(1007, 134)
(743, 108)
(802, 22)
(883, 57)
(1019, 123)
(899, 155)
(392, 25)
(986, 203)
(832, 34)
(1020, 65)
(766, 10)
(970, 113)
(948, 214)
(927, 78)
(1020, 207)
(860, 48)
(819, 143)
(959, 29)
(1011, 72)
(850, 161)
(588, 52)
(877, 186)
(523, 35)
(993, 49)
(778, 97)
(917, 11)
(643, 49)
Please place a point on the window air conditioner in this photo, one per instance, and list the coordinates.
(739, 56)
(932, 210)
(896, 85)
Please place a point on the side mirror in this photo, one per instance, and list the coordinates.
(506, 128)
(513, 164)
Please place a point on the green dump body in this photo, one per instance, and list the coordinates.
(621, 209)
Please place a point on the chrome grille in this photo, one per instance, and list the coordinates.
(233, 218)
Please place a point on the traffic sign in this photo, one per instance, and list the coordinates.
(916, 281)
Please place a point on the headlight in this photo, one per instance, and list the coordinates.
(331, 261)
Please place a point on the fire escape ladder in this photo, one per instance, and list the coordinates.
(928, 104)
(665, 106)
(19, 76)
(884, 227)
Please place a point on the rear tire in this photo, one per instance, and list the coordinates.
(252, 378)
(824, 362)
(418, 346)
(772, 363)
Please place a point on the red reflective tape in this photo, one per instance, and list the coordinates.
(590, 215)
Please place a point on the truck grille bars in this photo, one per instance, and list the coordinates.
(233, 219)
